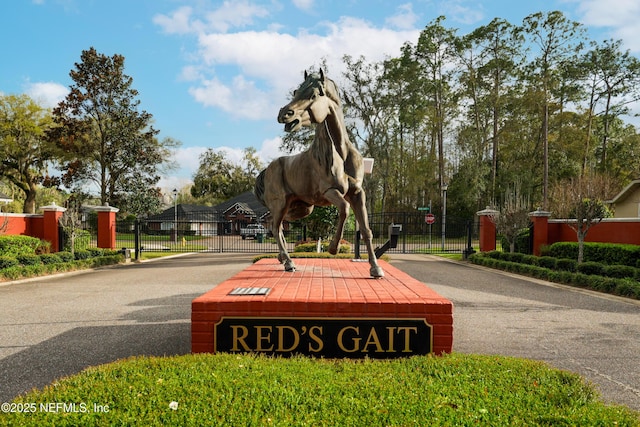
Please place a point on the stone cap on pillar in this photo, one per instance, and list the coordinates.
(53, 207)
(105, 208)
(487, 212)
(540, 213)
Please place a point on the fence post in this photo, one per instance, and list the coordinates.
(467, 252)
(487, 229)
(540, 236)
(136, 239)
(50, 216)
(106, 226)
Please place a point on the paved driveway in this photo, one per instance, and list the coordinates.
(58, 326)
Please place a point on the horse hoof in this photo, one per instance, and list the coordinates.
(376, 272)
(289, 266)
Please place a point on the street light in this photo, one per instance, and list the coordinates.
(175, 215)
(444, 212)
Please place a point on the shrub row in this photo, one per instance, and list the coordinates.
(344, 247)
(604, 253)
(47, 258)
(30, 265)
(571, 265)
(626, 287)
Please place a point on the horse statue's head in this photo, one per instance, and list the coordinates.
(312, 102)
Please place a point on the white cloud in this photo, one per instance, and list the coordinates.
(268, 64)
(621, 16)
(178, 22)
(47, 94)
(231, 14)
(404, 18)
(305, 5)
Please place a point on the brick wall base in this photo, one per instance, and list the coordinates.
(327, 308)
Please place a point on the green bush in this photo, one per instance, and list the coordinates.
(584, 277)
(31, 259)
(547, 262)
(619, 271)
(13, 245)
(7, 261)
(606, 253)
(82, 254)
(522, 243)
(66, 256)
(566, 264)
(590, 267)
(313, 247)
(82, 241)
(96, 252)
(50, 259)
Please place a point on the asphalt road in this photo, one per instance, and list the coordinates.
(57, 326)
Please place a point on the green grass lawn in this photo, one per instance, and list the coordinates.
(242, 390)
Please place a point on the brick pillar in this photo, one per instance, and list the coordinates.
(50, 216)
(487, 229)
(106, 226)
(540, 236)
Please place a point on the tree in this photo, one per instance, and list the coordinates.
(557, 39)
(582, 199)
(513, 216)
(435, 53)
(102, 136)
(218, 179)
(613, 78)
(24, 149)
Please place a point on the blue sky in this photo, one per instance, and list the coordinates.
(214, 73)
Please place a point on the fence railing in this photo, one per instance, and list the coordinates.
(207, 235)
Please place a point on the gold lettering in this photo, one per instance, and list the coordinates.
(315, 338)
(407, 337)
(391, 331)
(239, 338)
(373, 339)
(263, 337)
(356, 341)
(296, 338)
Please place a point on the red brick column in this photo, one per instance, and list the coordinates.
(487, 229)
(50, 216)
(540, 236)
(106, 226)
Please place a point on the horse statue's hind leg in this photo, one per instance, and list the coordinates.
(357, 200)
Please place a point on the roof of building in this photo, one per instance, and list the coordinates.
(626, 192)
(246, 203)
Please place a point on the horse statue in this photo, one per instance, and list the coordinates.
(329, 172)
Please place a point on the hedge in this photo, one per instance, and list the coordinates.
(14, 245)
(627, 287)
(606, 253)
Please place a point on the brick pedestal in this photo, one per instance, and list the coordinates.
(328, 307)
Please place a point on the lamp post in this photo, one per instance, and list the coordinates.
(175, 215)
(444, 212)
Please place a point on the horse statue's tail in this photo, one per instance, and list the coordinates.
(258, 189)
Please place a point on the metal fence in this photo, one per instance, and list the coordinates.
(208, 235)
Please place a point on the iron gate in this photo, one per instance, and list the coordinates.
(206, 234)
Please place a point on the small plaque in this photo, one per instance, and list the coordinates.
(250, 291)
(324, 337)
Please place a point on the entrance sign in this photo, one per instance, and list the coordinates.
(355, 337)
